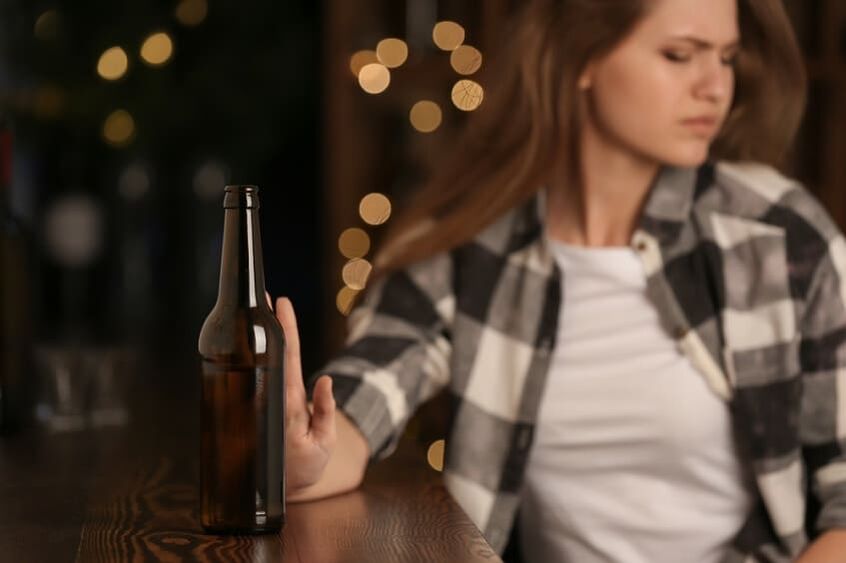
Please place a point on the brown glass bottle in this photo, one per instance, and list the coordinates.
(242, 481)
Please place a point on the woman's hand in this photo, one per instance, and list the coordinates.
(309, 430)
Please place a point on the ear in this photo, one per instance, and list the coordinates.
(585, 81)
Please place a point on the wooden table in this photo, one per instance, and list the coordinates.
(129, 493)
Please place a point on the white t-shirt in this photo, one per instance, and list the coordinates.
(634, 459)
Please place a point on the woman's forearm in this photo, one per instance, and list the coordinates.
(828, 548)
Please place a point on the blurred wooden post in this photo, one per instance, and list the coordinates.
(349, 149)
(359, 131)
(833, 80)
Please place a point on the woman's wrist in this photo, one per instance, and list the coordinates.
(830, 547)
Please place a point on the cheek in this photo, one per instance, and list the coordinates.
(631, 104)
(639, 112)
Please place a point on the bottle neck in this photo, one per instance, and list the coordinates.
(241, 266)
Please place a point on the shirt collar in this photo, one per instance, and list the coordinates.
(670, 200)
(667, 208)
(671, 196)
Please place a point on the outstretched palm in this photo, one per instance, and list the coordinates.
(309, 432)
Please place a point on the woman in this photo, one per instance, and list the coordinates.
(640, 322)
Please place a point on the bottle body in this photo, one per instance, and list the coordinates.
(242, 460)
(242, 481)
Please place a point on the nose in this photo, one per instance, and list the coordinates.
(715, 82)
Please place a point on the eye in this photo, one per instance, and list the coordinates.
(676, 56)
(730, 59)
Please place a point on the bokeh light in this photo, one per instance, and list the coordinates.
(47, 26)
(210, 180)
(392, 52)
(425, 116)
(191, 12)
(112, 63)
(119, 128)
(134, 182)
(74, 230)
(374, 78)
(435, 455)
(374, 209)
(467, 95)
(354, 243)
(356, 272)
(360, 59)
(345, 300)
(448, 35)
(157, 49)
(48, 102)
(466, 60)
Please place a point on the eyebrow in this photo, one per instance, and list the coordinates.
(703, 44)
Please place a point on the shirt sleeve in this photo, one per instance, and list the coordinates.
(397, 352)
(822, 421)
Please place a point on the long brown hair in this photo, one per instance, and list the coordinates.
(531, 114)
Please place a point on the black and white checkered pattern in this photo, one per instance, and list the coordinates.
(748, 273)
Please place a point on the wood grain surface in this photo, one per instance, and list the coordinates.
(130, 494)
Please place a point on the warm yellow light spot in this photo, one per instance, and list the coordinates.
(374, 78)
(356, 272)
(119, 128)
(374, 209)
(448, 35)
(354, 243)
(467, 95)
(392, 52)
(47, 25)
(435, 455)
(191, 12)
(157, 49)
(48, 102)
(425, 116)
(362, 58)
(466, 60)
(345, 300)
(113, 63)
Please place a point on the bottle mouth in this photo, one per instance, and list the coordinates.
(241, 197)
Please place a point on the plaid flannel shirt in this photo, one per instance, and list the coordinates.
(748, 274)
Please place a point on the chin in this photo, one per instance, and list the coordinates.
(693, 157)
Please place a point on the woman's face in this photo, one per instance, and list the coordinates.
(663, 93)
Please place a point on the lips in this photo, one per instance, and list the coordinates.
(705, 125)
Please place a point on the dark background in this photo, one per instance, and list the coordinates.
(259, 92)
(242, 91)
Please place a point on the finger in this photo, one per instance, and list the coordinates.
(293, 366)
(294, 388)
(323, 418)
